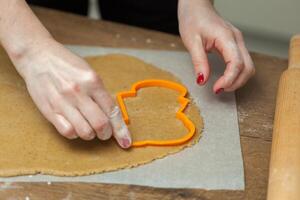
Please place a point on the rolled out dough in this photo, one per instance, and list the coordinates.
(30, 145)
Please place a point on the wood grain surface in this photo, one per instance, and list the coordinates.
(255, 101)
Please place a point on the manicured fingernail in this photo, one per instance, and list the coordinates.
(219, 90)
(200, 78)
(125, 143)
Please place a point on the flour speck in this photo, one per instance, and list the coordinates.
(148, 41)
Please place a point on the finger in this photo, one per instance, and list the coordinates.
(241, 80)
(120, 130)
(61, 106)
(79, 123)
(63, 126)
(228, 48)
(249, 69)
(200, 61)
(96, 117)
(60, 123)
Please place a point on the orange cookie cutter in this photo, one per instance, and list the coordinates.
(179, 114)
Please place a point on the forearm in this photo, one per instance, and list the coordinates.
(201, 3)
(203, 30)
(190, 7)
(19, 28)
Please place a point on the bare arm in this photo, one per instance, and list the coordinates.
(19, 28)
(62, 85)
(203, 30)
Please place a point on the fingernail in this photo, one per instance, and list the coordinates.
(125, 143)
(91, 136)
(107, 132)
(200, 78)
(219, 90)
(73, 137)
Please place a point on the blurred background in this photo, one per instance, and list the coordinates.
(267, 25)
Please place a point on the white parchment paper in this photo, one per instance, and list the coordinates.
(214, 163)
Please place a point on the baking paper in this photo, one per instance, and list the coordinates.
(213, 163)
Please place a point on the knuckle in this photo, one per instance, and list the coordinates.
(90, 77)
(70, 89)
(253, 71)
(236, 66)
(99, 126)
(237, 32)
(228, 81)
(228, 34)
(56, 100)
(197, 61)
(192, 40)
(114, 112)
(250, 70)
(240, 65)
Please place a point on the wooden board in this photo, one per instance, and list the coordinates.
(256, 105)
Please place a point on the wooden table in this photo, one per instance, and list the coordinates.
(255, 101)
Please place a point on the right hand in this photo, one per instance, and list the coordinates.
(203, 30)
(70, 94)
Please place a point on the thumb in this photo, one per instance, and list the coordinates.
(200, 62)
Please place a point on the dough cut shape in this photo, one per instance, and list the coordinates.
(179, 114)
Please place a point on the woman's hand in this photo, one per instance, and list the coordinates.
(203, 30)
(63, 86)
(70, 94)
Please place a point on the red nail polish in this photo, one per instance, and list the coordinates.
(200, 78)
(219, 90)
(125, 143)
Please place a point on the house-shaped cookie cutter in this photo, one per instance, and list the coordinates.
(179, 114)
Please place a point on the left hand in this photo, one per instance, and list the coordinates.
(203, 30)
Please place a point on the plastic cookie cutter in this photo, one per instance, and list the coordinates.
(179, 114)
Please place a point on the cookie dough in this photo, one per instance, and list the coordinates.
(31, 145)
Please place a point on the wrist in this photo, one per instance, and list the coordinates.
(187, 6)
(202, 3)
(17, 50)
(24, 57)
(20, 29)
